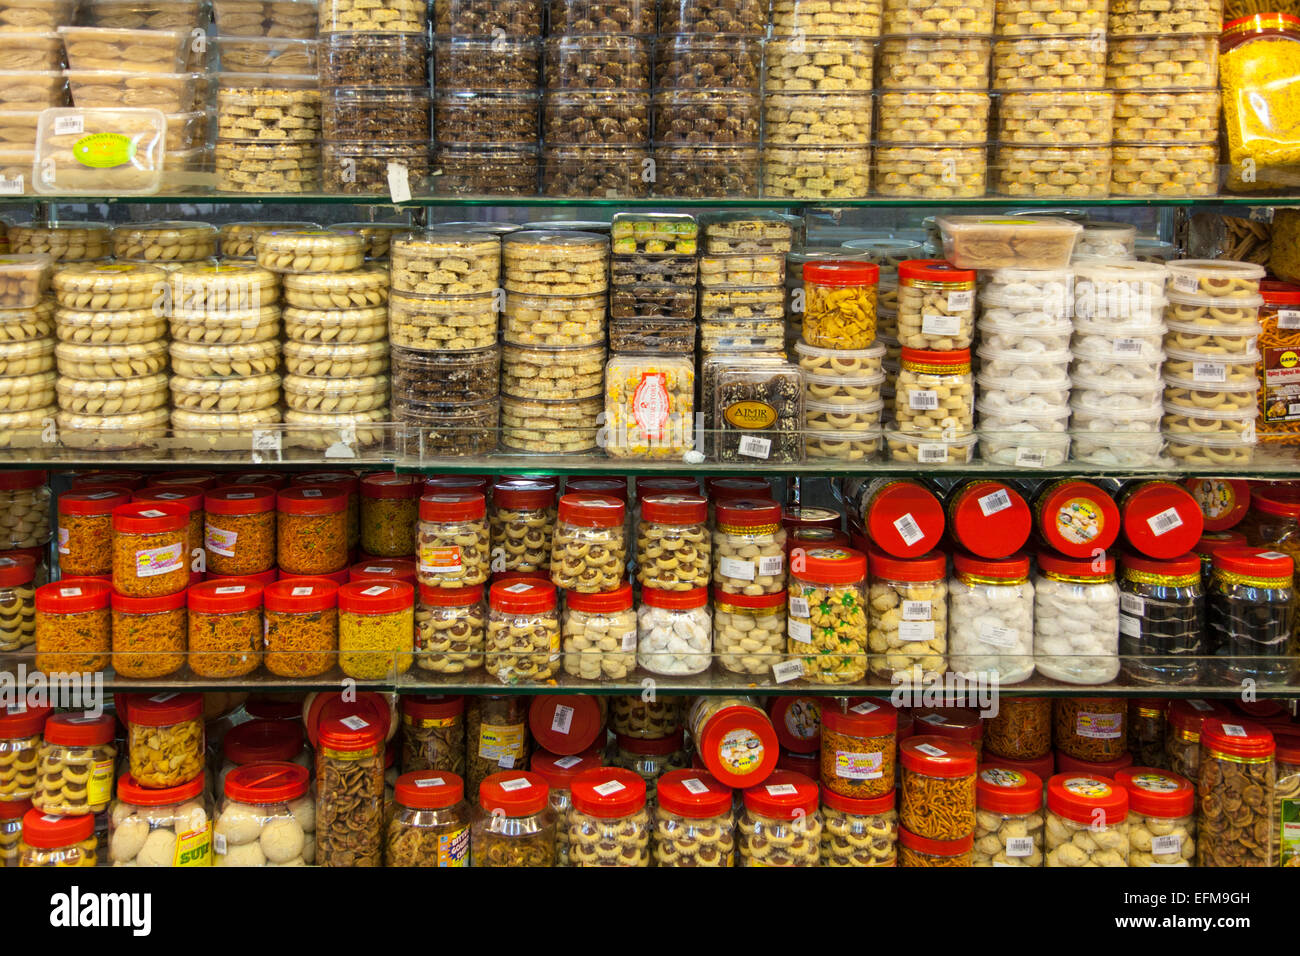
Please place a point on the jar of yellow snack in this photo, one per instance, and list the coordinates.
(515, 826)
(840, 304)
(165, 742)
(225, 627)
(302, 625)
(1258, 58)
(150, 549)
(376, 628)
(58, 841)
(937, 794)
(73, 626)
(149, 634)
(86, 530)
(936, 305)
(827, 617)
(311, 530)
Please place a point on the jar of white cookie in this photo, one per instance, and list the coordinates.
(609, 824)
(599, 634)
(453, 543)
(749, 547)
(523, 631)
(749, 631)
(1008, 818)
(1076, 619)
(75, 763)
(781, 824)
(267, 817)
(171, 826)
(674, 631)
(450, 629)
(908, 615)
(1087, 822)
(673, 543)
(589, 549)
(991, 603)
(1162, 817)
(694, 821)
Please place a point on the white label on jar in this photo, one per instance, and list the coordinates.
(995, 502)
(376, 590)
(519, 588)
(751, 446)
(1099, 726)
(311, 492)
(998, 636)
(782, 789)
(161, 698)
(564, 763)
(961, 300)
(1273, 555)
(221, 541)
(628, 641)
(1030, 458)
(1130, 626)
(917, 611)
(507, 762)
(932, 454)
(940, 324)
(353, 722)
(1172, 843)
(1209, 373)
(302, 592)
(770, 564)
(69, 125)
(695, 785)
(916, 630)
(1234, 730)
(239, 495)
(219, 842)
(1166, 521)
(736, 568)
(1020, 846)
(930, 750)
(908, 529)
(562, 719)
(923, 400)
(787, 671)
(608, 788)
(374, 569)
(11, 187)
(859, 766)
(433, 781)
(518, 783)
(1186, 283)
(69, 592)
(1288, 318)
(1128, 346)
(1132, 604)
(800, 631)
(866, 707)
(153, 513)
(799, 607)
(154, 561)
(63, 541)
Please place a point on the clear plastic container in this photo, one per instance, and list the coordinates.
(265, 55)
(171, 826)
(374, 115)
(1087, 822)
(515, 826)
(1167, 169)
(239, 529)
(673, 543)
(903, 171)
(433, 734)
(349, 791)
(431, 823)
(150, 549)
(949, 62)
(599, 62)
(358, 167)
(991, 606)
(589, 551)
(749, 547)
(453, 543)
(226, 628)
(260, 822)
(1050, 63)
(523, 631)
(608, 823)
(817, 63)
(913, 17)
(934, 394)
(388, 16)
(781, 824)
(290, 251)
(1022, 730)
(385, 61)
(107, 287)
(376, 628)
(450, 629)
(17, 601)
(694, 824)
(521, 524)
(124, 50)
(57, 841)
(908, 606)
(1076, 620)
(1163, 62)
(946, 117)
(1077, 172)
(302, 626)
(149, 634)
(62, 241)
(675, 634)
(599, 634)
(446, 261)
(1008, 818)
(827, 617)
(978, 242)
(1251, 611)
(937, 772)
(1162, 817)
(749, 631)
(491, 64)
(936, 306)
(165, 741)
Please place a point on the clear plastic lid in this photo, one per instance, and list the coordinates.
(1250, 358)
(96, 152)
(1175, 408)
(137, 51)
(986, 242)
(1215, 278)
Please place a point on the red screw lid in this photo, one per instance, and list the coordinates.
(858, 806)
(905, 519)
(739, 745)
(150, 517)
(516, 793)
(1180, 566)
(750, 600)
(313, 500)
(1050, 563)
(376, 597)
(123, 479)
(93, 501)
(829, 565)
(1157, 793)
(783, 796)
(1161, 519)
(999, 790)
(388, 484)
(865, 719)
(675, 600)
(396, 569)
(929, 567)
(522, 596)
(199, 479)
(16, 569)
(935, 847)
(1077, 518)
(224, 596)
(452, 506)
(1253, 562)
(52, 832)
(747, 513)
(267, 782)
(429, 790)
(990, 519)
(797, 721)
(1274, 292)
(1186, 715)
(1282, 500)
(955, 358)
(18, 480)
(609, 486)
(239, 500)
(79, 730)
(608, 792)
(1288, 746)
(600, 602)
(1079, 797)
(373, 708)
(269, 707)
(1106, 768)
(558, 770)
(73, 597)
(565, 724)
(693, 794)
(301, 595)
(162, 710)
(1236, 738)
(591, 511)
(1223, 501)
(730, 489)
(666, 485)
(955, 723)
(189, 498)
(937, 756)
(524, 494)
(22, 722)
(432, 708)
(1011, 568)
(675, 509)
(351, 728)
(448, 597)
(840, 274)
(258, 741)
(932, 270)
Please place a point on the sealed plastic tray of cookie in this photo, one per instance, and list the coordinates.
(1048, 18)
(93, 152)
(1180, 418)
(984, 242)
(957, 172)
(33, 52)
(749, 233)
(1122, 291)
(762, 303)
(310, 250)
(652, 301)
(705, 172)
(742, 336)
(108, 286)
(494, 63)
(654, 234)
(220, 430)
(109, 328)
(104, 89)
(26, 358)
(1105, 240)
(1118, 338)
(1106, 393)
(902, 446)
(23, 16)
(374, 16)
(708, 17)
(842, 445)
(254, 326)
(359, 289)
(1187, 449)
(1210, 338)
(609, 172)
(179, 241)
(1240, 395)
(1164, 169)
(1089, 416)
(850, 363)
(1137, 352)
(112, 398)
(449, 323)
(335, 395)
(1032, 366)
(31, 89)
(16, 169)
(265, 55)
(1215, 278)
(1018, 404)
(110, 361)
(925, 18)
(549, 373)
(659, 270)
(65, 241)
(27, 392)
(816, 172)
(445, 260)
(1055, 118)
(1172, 116)
(842, 416)
(336, 325)
(18, 133)
(706, 118)
(1013, 336)
(266, 166)
(200, 289)
(949, 62)
(1049, 63)
(239, 360)
(316, 360)
(742, 271)
(1178, 61)
(574, 17)
(136, 51)
(112, 432)
(226, 395)
(1119, 449)
(819, 64)
(949, 117)
(1210, 370)
(265, 18)
(1024, 449)
(348, 432)
(184, 15)
(362, 167)
(553, 320)
(23, 325)
(999, 418)
(238, 240)
(843, 389)
(1046, 172)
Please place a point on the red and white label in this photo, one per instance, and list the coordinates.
(651, 404)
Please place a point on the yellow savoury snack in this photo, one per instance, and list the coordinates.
(840, 304)
(376, 628)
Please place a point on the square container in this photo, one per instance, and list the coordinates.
(101, 152)
(132, 51)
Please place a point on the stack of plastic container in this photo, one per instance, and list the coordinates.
(1162, 62)
(443, 328)
(1119, 307)
(166, 244)
(31, 71)
(817, 134)
(112, 354)
(225, 352)
(1054, 116)
(268, 133)
(888, 254)
(487, 73)
(375, 98)
(708, 72)
(932, 131)
(1212, 322)
(653, 274)
(27, 378)
(596, 114)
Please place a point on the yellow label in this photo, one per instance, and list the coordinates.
(750, 414)
(426, 722)
(104, 150)
(453, 848)
(497, 741)
(194, 847)
(741, 752)
(99, 788)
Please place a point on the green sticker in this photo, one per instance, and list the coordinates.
(104, 150)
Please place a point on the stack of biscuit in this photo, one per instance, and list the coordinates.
(26, 345)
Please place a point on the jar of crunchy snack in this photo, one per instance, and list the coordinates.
(73, 626)
(827, 616)
(302, 626)
(521, 524)
(225, 628)
(1162, 821)
(589, 549)
(20, 741)
(1251, 615)
(938, 788)
(150, 549)
(840, 304)
(908, 602)
(608, 823)
(749, 547)
(515, 826)
(350, 792)
(633, 717)
(311, 530)
(376, 628)
(171, 826)
(450, 629)
(433, 734)
(430, 825)
(694, 821)
(1022, 729)
(149, 634)
(1090, 728)
(1236, 767)
(17, 601)
(1251, 49)
(1076, 619)
(260, 822)
(749, 631)
(523, 631)
(190, 498)
(75, 764)
(165, 742)
(781, 824)
(86, 529)
(57, 841)
(1087, 821)
(453, 542)
(734, 738)
(599, 634)
(673, 543)
(239, 529)
(918, 851)
(857, 750)
(1008, 818)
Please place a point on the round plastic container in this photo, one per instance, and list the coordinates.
(781, 823)
(1076, 518)
(73, 626)
(1162, 621)
(226, 628)
(86, 528)
(1162, 817)
(1076, 619)
(150, 549)
(908, 616)
(514, 826)
(349, 790)
(734, 738)
(936, 306)
(589, 548)
(75, 764)
(57, 841)
(523, 632)
(239, 529)
(827, 618)
(1251, 615)
(376, 628)
(165, 739)
(991, 607)
(1095, 805)
(599, 633)
(17, 601)
(1008, 818)
(694, 821)
(171, 826)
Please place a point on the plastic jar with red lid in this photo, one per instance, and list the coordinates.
(239, 529)
(1094, 729)
(389, 513)
(808, 538)
(938, 789)
(431, 821)
(902, 517)
(589, 548)
(302, 626)
(164, 737)
(1210, 542)
(648, 719)
(86, 530)
(433, 733)
(919, 851)
(1160, 519)
(1183, 722)
(514, 825)
(1087, 821)
(450, 629)
(857, 749)
(1223, 501)
(566, 724)
(859, 832)
(990, 519)
(311, 530)
(936, 305)
(226, 629)
(11, 830)
(523, 631)
(748, 546)
(650, 759)
(1021, 730)
(130, 480)
(1162, 817)
(1008, 818)
(150, 556)
(58, 841)
(1251, 616)
(908, 602)
(734, 737)
(1076, 518)
(1274, 519)
(74, 626)
(609, 824)
(17, 601)
(349, 483)
(1076, 619)
(599, 634)
(797, 721)
(963, 724)
(673, 545)
(827, 616)
(781, 824)
(187, 497)
(260, 740)
(991, 626)
(169, 827)
(934, 395)
(350, 759)
(20, 741)
(75, 764)
(675, 631)
(1162, 619)
(694, 822)
(264, 816)
(24, 509)
(840, 304)
(559, 772)
(376, 628)
(1234, 824)
(1041, 767)
(521, 524)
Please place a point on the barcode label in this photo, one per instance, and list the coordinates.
(787, 671)
(152, 513)
(628, 642)
(751, 446)
(562, 720)
(769, 564)
(11, 187)
(916, 630)
(564, 763)
(908, 530)
(69, 125)
(866, 707)
(1172, 843)
(782, 789)
(1186, 283)
(930, 750)
(302, 592)
(1288, 318)
(375, 591)
(695, 785)
(1128, 346)
(355, 723)
(518, 783)
(1030, 458)
(1130, 626)
(992, 504)
(1165, 521)
(234, 589)
(1020, 846)
(1132, 604)
(608, 788)
(1209, 373)
(799, 607)
(1234, 730)
(932, 454)
(961, 301)
(519, 588)
(940, 324)
(917, 611)
(1204, 706)
(800, 631)
(926, 400)
(433, 781)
